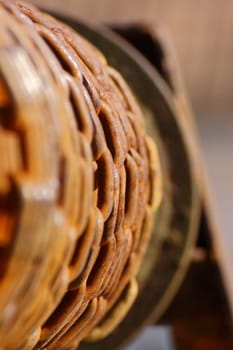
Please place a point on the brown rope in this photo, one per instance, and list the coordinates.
(79, 181)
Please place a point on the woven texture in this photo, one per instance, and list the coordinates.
(79, 183)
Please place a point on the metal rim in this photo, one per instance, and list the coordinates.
(178, 217)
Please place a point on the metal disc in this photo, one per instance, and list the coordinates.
(176, 222)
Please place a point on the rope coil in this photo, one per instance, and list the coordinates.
(79, 183)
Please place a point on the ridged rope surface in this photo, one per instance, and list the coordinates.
(79, 183)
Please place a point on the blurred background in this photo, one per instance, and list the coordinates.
(202, 34)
